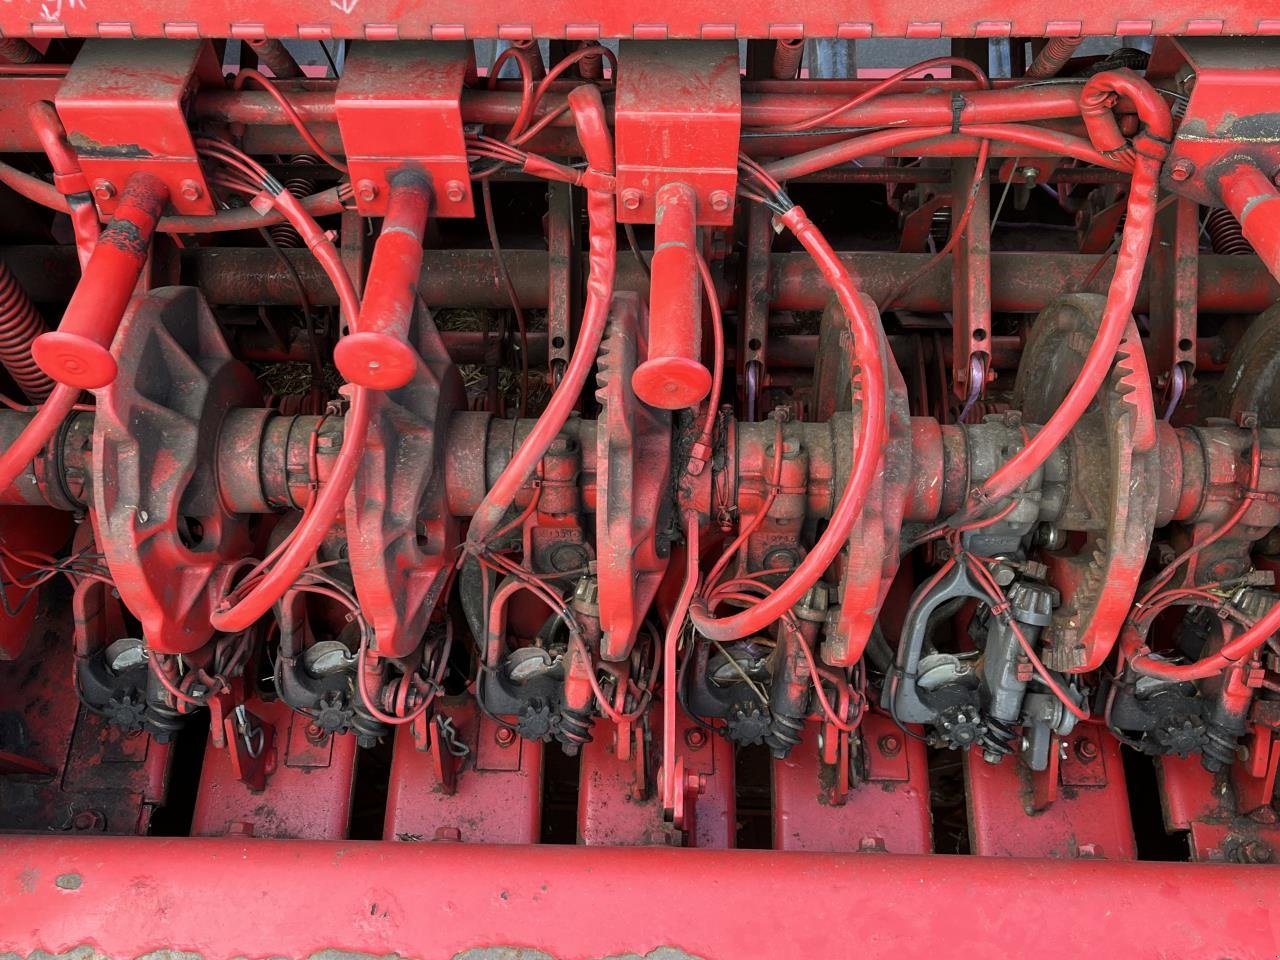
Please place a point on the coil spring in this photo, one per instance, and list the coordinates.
(17, 50)
(591, 66)
(1225, 234)
(1218, 749)
(784, 733)
(20, 324)
(998, 738)
(574, 731)
(282, 233)
(787, 55)
(1053, 57)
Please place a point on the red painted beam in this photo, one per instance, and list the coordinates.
(127, 897)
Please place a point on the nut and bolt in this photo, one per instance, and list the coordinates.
(190, 191)
(889, 745)
(1182, 169)
(631, 198)
(455, 191)
(720, 200)
(316, 734)
(695, 738)
(504, 736)
(103, 189)
(1256, 851)
(366, 191)
(1086, 750)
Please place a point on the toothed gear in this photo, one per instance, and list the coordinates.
(1180, 736)
(127, 712)
(332, 715)
(1120, 421)
(959, 728)
(748, 724)
(537, 722)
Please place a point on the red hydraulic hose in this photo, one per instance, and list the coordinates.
(19, 454)
(870, 437)
(278, 572)
(1130, 262)
(593, 131)
(880, 141)
(68, 177)
(226, 221)
(1140, 660)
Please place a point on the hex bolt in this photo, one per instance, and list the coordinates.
(1182, 169)
(1086, 750)
(104, 189)
(720, 200)
(1256, 851)
(889, 745)
(455, 191)
(367, 191)
(315, 733)
(695, 738)
(190, 191)
(631, 198)
(504, 736)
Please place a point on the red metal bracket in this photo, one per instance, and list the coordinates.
(124, 106)
(1079, 807)
(301, 760)
(399, 102)
(678, 117)
(490, 794)
(887, 811)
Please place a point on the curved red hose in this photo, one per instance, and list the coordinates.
(36, 433)
(66, 168)
(593, 131)
(226, 221)
(319, 516)
(871, 435)
(879, 141)
(1134, 649)
(1130, 262)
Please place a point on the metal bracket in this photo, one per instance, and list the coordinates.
(399, 102)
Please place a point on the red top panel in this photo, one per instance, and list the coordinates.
(639, 19)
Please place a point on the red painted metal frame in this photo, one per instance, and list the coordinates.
(516, 20)
(1079, 807)
(888, 810)
(130, 897)
(491, 795)
(299, 763)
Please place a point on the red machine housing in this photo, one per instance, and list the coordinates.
(573, 481)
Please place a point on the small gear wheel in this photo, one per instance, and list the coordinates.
(748, 724)
(1180, 735)
(126, 712)
(536, 721)
(332, 715)
(960, 727)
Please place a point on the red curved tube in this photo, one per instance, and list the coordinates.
(1130, 262)
(870, 144)
(1135, 652)
(593, 131)
(226, 221)
(36, 433)
(868, 448)
(68, 176)
(299, 549)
